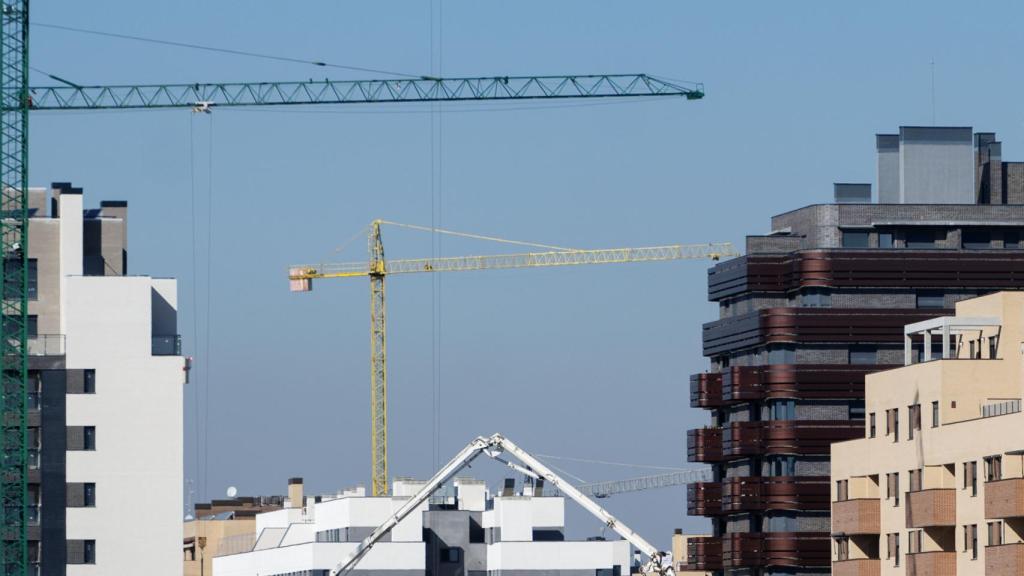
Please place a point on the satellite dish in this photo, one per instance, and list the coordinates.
(189, 518)
(232, 491)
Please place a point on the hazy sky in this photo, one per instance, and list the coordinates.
(588, 362)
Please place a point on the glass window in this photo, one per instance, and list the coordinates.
(32, 326)
(863, 355)
(783, 410)
(782, 355)
(89, 552)
(993, 468)
(855, 239)
(1011, 239)
(976, 239)
(871, 425)
(11, 268)
(89, 387)
(89, 494)
(885, 240)
(856, 410)
(88, 437)
(930, 299)
(816, 298)
(920, 239)
(935, 414)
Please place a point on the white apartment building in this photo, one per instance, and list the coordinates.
(471, 532)
(106, 386)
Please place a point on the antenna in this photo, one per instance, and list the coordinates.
(933, 91)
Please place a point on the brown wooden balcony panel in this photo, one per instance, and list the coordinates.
(857, 567)
(706, 390)
(704, 553)
(755, 494)
(931, 564)
(704, 445)
(816, 381)
(741, 439)
(808, 549)
(704, 499)
(1004, 560)
(857, 516)
(936, 507)
(1004, 498)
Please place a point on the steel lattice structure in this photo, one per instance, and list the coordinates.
(357, 91)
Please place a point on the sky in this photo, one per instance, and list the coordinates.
(590, 363)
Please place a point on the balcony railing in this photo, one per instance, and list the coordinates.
(704, 553)
(794, 549)
(46, 345)
(706, 390)
(1004, 498)
(759, 494)
(1004, 560)
(939, 563)
(928, 508)
(741, 439)
(859, 516)
(168, 345)
(741, 383)
(857, 567)
(704, 498)
(704, 445)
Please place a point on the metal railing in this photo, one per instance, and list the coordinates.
(1000, 408)
(46, 345)
(167, 345)
(236, 544)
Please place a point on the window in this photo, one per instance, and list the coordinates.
(1011, 239)
(913, 542)
(451, 555)
(863, 355)
(893, 424)
(781, 355)
(842, 490)
(855, 239)
(935, 414)
(920, 239)
(11, 268)
(977, 239)
(816, 299)
(971, 540)
(993, 468)
(89, 494)
(995, 533)
(782, 410)
(914, 415)
(855, 410)
(885, 240)
(930, 300)
(89, 438)
(915, 480)
(871, 425)
(32, 325)
(842, 549)
(894, 548)
(81, 551)
(89, 385)
(993, 346)
(781, 465)
(893, 487)
(971, 477)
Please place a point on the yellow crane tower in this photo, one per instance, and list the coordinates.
(377, 268)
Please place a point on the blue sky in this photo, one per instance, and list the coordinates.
(583, 362)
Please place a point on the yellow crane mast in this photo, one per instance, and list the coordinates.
(377, 268)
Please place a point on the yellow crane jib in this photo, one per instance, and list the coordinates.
(376, 268)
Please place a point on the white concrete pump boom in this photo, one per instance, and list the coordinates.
(659, 563)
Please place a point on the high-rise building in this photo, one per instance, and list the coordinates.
(815, 305)
(935, 485)
(106, 380)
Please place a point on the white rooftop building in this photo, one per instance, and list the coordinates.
(473, 533)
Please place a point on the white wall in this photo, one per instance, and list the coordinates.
(383, 556)
(557, 555)
(137, 411)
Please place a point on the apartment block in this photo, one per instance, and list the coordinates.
(105, 396)
(470, 531)
(817, 304)
(222, 521)
(935, 485)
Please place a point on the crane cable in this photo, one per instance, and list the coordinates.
(607, 463)
(437, 230)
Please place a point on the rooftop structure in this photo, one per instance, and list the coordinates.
(936, 483)
(818, 303)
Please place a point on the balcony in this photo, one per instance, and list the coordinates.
(1004, 560)
(857, 567)
(743, 383)
(1004, 498)
(795, 549)
(704, 445)
(706, 390)
(759, 494)
(45, 345)
(931, 564)
(704, 499)
(808, 437)
(704, 553)
(859, 516)
(928, 508)
(167, 345)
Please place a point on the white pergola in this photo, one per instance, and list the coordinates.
(943, 327)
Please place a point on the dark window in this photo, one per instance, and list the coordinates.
(816, 299)
(993, 346)
(89, 494)
(33, 325)
(921, 239)
(855, 239)
(930, 300)
(451, 555)
(935, 414)
(977, 239)
(871, 425)
(782, 355)
(972, 543)
(88, 437)
(971, 477)
(914, 417)
(11, 268)
(842, 548)
(856, 410)
(89, 386)
(993, 468)
(81, 551)
(842, 490)
(548, 535)
(885, 240)
(782, 410)
(89, 552)
(863, 355)
(1011, 239)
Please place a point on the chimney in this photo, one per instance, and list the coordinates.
(296, 498)
(888, 147)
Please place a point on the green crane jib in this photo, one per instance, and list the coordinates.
(17, 99)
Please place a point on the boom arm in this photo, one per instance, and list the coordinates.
(659, 563)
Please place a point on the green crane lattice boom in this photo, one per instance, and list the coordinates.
(17, 99)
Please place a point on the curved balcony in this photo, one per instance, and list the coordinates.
(783, 549)
(806, 437)
(704, 499)
(1004, 498)
(760, 494)
(1004, 560)
(704, 553)
(706, 390)
(704, 445)
(812, 381)
(931, 564)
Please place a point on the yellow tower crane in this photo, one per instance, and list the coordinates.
(377, 268)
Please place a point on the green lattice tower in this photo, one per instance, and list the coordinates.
(14, 105)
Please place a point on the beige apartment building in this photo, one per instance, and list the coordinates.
(936, 486)
(681, 553)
